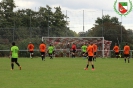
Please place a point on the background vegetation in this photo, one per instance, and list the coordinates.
(26, 25)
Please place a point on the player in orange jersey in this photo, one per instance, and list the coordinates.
(126, 52)
(30, 48)
(42, 49)
(90, 51)
(116, 50)
(73, 48)
(95, 51)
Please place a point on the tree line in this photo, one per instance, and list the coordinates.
(111, 29)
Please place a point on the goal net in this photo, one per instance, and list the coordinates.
(63, 44)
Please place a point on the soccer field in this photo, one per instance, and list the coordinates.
(66, 73)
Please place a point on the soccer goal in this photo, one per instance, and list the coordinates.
(63, 44)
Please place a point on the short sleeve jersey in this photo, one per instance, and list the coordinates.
(50, 49)
(90, 50)
(30, 47)
(84, 48)
(116, 49)
(42, 47)
(95, 47)
(126, 49)
(14, 50)
(73, 47)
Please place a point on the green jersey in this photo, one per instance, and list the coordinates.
(50, 49)
(84, 48)
(14, 50)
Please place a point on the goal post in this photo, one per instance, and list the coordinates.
(63, 44)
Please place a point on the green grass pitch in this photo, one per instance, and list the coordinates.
(66, 73)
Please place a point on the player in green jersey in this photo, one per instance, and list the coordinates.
(50, 51)
(84, 50)
(14, 56)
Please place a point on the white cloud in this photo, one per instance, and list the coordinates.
(24, 4)
(74, 10)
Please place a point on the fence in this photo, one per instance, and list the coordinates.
(61, 53)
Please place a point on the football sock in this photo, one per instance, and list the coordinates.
(17, 63)
(12, 65)
(87, 66)
(30, 55)
(42, 57)
(125, 60)
(93, 66)
(51, 57)
(128, 61)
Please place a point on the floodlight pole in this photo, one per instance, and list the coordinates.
(48, 24)
(30, 24)
(83, 20)
(14, 27)
(121, 28)
(102, 23)
(66, 21)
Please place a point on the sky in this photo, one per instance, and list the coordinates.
(82, 13)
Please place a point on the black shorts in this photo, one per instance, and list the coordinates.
(83, 52)
(126, 55)
(95, 53)
(50, 54)
(116, 53)
(14, 59)
(90, 58)
(42, 53)
(31, 51)
(53, 52)
(74, 51)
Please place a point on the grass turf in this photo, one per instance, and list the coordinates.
(66, 73)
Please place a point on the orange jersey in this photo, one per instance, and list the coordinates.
(126, 49)
(30, 47)
(90, 50)
(42, 47)
(73, 47)
(116, 49)
(95, 47)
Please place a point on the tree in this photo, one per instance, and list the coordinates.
(6, 10)
(111, 29)
(28, 23)
(106, 19)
